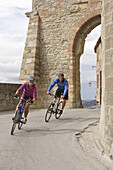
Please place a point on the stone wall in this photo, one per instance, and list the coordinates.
(6, 96)
(105, 136)
(31, 58)
(98, 51)
(53, 29)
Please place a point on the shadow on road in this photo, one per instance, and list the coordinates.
(36, 132)
(57, 130)
(80, 119)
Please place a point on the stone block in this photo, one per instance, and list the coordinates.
(6, 96)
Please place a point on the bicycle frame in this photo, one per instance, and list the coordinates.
(53, 109)
(54, 100)
(22, 109)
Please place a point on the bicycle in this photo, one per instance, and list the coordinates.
(51, 110)
(18, 116)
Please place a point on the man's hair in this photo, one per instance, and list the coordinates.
(61, 74)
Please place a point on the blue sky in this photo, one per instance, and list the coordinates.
(13, 30)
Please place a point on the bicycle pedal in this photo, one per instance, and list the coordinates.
(15, 121)
(13, 118)
(24, 121)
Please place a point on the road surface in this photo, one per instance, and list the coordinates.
(47, 146)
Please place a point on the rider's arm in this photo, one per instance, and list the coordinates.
(21, 88)
(52, 84)
(34, 94)
(66, 88)
(17, 92)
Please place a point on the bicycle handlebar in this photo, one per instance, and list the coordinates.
(18, 98)
(54, 95)
(51, 94)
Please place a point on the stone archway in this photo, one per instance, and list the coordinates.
(85, 26)
(51, 38)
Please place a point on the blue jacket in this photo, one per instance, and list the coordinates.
(62, 85)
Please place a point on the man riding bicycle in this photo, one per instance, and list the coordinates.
(29, 93)
(62, 90)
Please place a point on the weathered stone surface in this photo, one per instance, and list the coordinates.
(98, 50)
(77, 1)
(6, 96)
(105, 133)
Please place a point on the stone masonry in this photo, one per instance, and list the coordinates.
(6, 96)
(31, 58)
(98, 51)
(105, 133)
(55, 42)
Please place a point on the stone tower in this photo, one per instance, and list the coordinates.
(55, 41)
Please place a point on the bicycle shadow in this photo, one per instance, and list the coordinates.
(38, 132)
(44, 131)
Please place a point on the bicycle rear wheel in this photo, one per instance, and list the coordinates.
(59, 108)
(13, 128)
(49, 112)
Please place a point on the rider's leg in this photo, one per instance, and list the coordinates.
(18, 104)
(57, 94)
(55, 99)
(64, 103)
(64, 100)
(17, 108)
(26, 110)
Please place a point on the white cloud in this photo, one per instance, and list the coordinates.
(19, 3)
(13, 73)
(13, 30)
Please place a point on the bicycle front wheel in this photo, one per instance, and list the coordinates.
(17, 116)
(20, 125)
(13, 128)
(49, 112)
(59, 108)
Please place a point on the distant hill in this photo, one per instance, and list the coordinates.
(88, 103)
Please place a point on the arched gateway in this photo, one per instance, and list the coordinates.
(81, 29)
(55, 42)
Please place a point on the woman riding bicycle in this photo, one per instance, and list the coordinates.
(29, 93)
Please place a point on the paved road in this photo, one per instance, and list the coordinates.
(47, 146)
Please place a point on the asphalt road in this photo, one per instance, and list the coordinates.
(47, 146)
